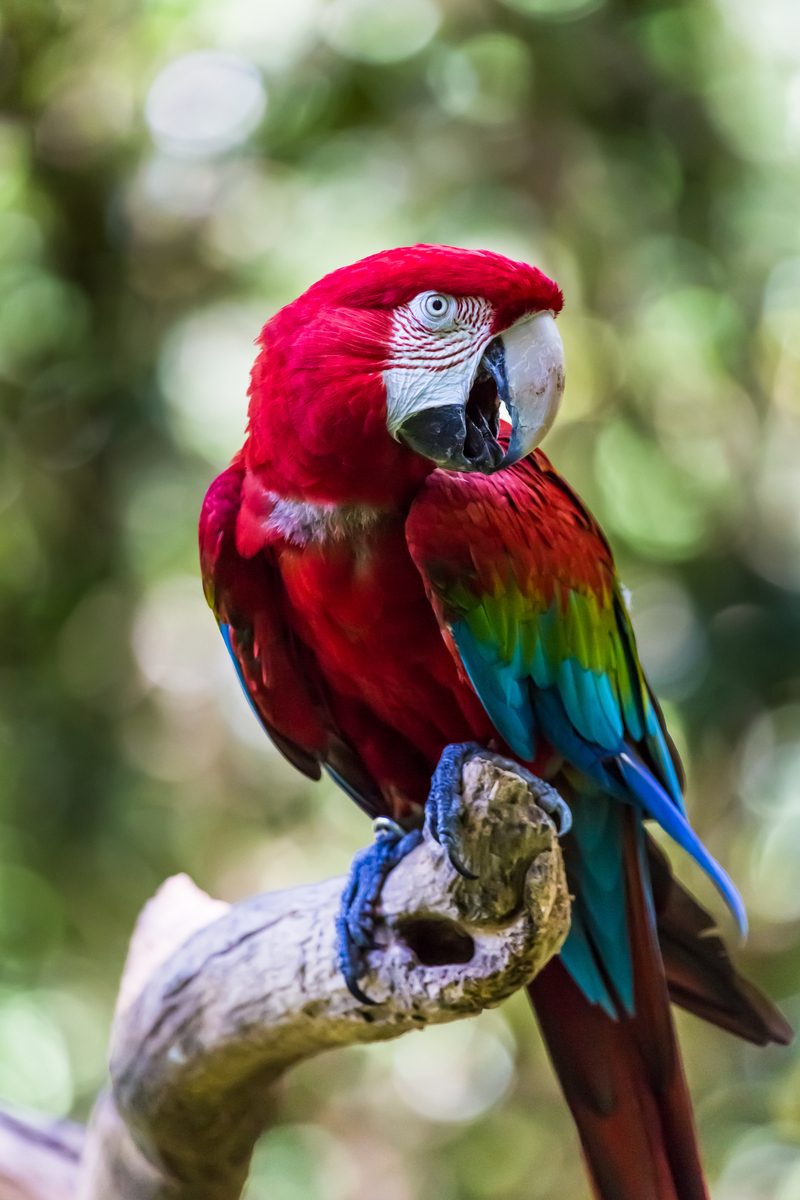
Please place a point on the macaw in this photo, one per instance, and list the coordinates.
(403, 579)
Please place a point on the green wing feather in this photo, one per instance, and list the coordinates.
(524, 581)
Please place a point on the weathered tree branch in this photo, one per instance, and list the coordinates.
(217, 1003)
(39, 1156)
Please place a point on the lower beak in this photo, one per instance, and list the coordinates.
(451, 438)
(523, 369)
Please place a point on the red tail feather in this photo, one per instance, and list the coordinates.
(623, 1079)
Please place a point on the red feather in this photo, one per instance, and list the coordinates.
(462, 526)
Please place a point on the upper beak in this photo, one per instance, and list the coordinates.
(522, 368)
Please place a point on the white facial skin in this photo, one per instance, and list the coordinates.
(437, 345)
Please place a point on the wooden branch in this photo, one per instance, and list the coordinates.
(39, 1156)
(217, 1002)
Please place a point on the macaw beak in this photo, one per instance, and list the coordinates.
(523, 368)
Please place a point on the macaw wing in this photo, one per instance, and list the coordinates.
(523, 582)
(524, 587)
(278, 674)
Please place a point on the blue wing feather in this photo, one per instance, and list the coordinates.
(565, 715)
(658, 805)
(511, 714)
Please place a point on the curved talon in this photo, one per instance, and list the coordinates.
(554, 805)
(356, 992)
(456, 862)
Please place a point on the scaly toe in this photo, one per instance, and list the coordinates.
(443, 809)
(355, 924)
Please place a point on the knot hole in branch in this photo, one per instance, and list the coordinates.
(436, 941)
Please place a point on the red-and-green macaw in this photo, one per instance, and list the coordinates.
(397, 574)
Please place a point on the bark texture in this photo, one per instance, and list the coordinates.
(217, 1002)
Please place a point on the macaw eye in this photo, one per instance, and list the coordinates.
(436, 305)
(435, 309)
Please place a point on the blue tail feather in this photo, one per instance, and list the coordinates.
(657, 804)
(596, 877)
(577, 956)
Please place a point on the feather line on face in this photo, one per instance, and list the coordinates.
(427, 368)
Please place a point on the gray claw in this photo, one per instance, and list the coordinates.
(455, 860)
(356, 992)
(548, 798)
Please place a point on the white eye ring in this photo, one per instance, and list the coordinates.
(435, 309)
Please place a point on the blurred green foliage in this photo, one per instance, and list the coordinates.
(171, 172)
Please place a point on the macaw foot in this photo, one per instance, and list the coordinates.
(445, 798)
(355, 924)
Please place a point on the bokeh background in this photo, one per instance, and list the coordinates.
(171, 172)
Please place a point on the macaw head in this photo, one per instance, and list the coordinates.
(386, 369)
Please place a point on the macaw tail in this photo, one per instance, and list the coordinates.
(700, 976)
(622, 1076)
